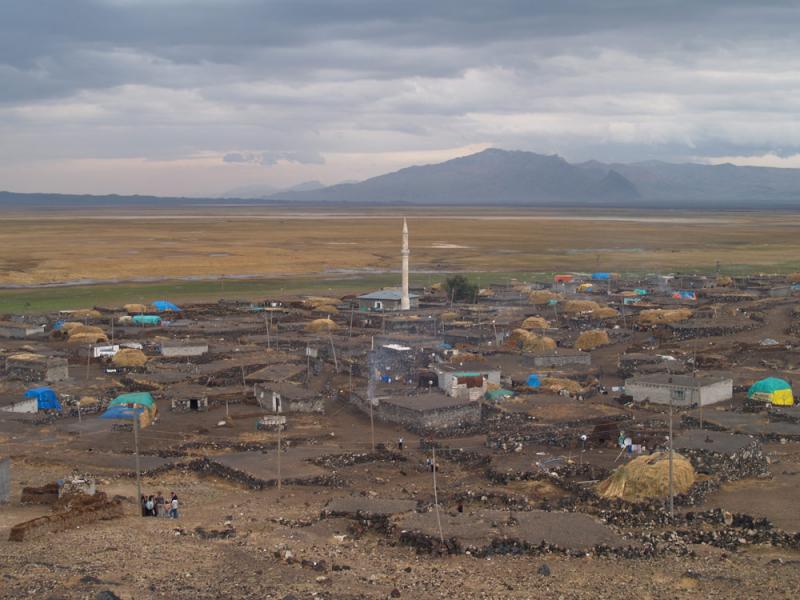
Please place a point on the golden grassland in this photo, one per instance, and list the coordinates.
(57, 247)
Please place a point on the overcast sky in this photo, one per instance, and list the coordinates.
(197, 97)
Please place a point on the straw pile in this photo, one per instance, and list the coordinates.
(315, 302)
(485, 293)
(540, 297)
(556, 384)
(448, 316)
(589, 340)
(327, 308)
(574, 307)
(793, 278)
(77, 328)
(648, 477)
(66, 328)
(605, 312)
(86, 313)
(87, 338)
(535, 323)
(87, 401)
(520, 339)
(724, 281)
(129, 357)
(135, 308)
(321, 326)
(125, 319)
(658, 316)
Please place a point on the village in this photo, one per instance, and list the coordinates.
(627, 418)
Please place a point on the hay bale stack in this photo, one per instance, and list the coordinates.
(793, 278)
(556, 384)
(605, 312)
(535, 323)
(648, 477)
(658, 316)
(88, 338)
(589, 340)
(321, 326)
(87, 401)
(520, 339)
(77, 329)
(327, 308)
(540, 297)
(130, 358)
(134, 309)
(448, 316)
(723, 281)
(575, 307)
(86, 313)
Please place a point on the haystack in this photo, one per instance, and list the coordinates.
(540, 297)
(66, 328)
(76, 329)
(129, 358)
(556, 384)
(535, 323)
(575, 307)
(86, 313)
(321, 326)
(327, 308)
(648, 477)
(589, 340)
(135, 309)
(316, 301)
(88, 338)
(658, 316)
(125, 319)
(448, 316)
(87, 401)
(605, 312)
(793, 278)
(526, 341)
(724, 281)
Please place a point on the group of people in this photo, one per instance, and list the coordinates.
(157, 506)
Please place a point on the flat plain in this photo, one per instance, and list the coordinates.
(122, 245)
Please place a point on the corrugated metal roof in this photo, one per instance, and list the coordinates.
(385, 295)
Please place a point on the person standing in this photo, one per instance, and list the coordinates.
(160, 510)
(173, 506)
(400, 443)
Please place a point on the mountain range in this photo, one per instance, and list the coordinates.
(512, 178)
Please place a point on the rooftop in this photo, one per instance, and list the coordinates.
(425, 402)
(679, 380)
(385, 295)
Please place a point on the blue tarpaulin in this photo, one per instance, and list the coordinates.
(533, 381)
(122, 412)
(165, 306)
(601, 276)
(58, 325)
(46, 398)
(685, 295)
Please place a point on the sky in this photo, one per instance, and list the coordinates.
(200, 97)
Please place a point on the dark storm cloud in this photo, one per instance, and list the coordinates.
(611, 79)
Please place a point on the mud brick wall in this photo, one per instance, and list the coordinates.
(5, 479)
(47, 494)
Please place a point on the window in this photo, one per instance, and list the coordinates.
(679, 395)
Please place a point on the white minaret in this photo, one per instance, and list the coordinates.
(405, 302)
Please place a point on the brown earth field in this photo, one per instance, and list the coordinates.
(57, 246)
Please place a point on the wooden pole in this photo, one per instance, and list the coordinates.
(352, 311)
(136, 455)
(279, 457)
(671, 494)
(436, 496)
(88, 360)
(333, 349)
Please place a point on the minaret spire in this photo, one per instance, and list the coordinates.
(405, 302)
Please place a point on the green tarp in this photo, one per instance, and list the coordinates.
(140, 398)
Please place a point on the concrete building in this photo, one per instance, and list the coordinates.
(680, 390)
(428, 412)
(385, 301)
(183, 348)
(468, 380)
(289, 398)
(12, 329)
(32, 368)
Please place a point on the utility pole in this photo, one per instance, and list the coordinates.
(371, 422)
(88, 359)
(436, 496)
(136, 455)
(671, 494)
(333, 349)
(279, 457)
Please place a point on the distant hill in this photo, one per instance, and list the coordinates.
(525, 178)
(510, 178)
